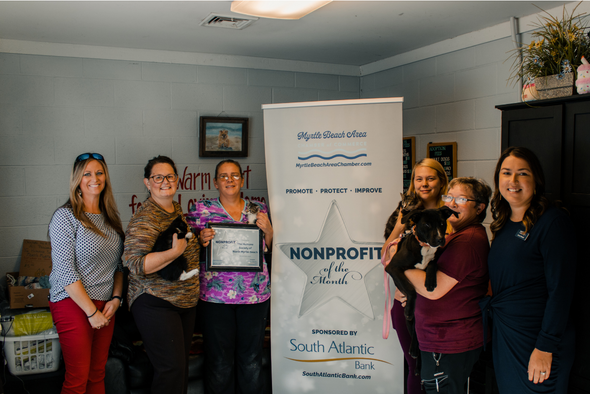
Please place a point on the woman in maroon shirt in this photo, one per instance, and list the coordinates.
(448, 320)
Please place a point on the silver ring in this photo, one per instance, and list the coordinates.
(543, 373)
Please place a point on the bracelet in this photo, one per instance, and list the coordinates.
(94, 313)
(119, 298)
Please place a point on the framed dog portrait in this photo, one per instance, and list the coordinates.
(223, 137)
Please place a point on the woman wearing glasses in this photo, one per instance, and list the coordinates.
(86, 277)
(164, 311)
(234, 304)
(448, 320)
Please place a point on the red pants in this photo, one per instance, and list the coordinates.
(85, 349)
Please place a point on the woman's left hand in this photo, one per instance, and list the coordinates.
(400, 297)
(540, 366)
(391, 250)
(110, 308)
(263, 223)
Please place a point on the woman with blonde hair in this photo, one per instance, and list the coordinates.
(86, 278)
(429, 183)
(421, 179)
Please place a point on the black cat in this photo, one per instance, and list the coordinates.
(408, 203)
(176, 270)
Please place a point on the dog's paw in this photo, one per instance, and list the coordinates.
(430, 284)
(188, 235)
(188, 275)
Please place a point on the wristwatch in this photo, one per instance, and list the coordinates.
(120, 300)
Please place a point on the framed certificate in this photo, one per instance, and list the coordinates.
(235, 247)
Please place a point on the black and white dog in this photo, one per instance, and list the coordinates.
(417, 249)
(176, 270)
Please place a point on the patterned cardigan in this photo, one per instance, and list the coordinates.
(143, 230)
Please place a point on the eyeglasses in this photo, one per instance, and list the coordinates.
(86, 156)
(225, 177)
(458, 200)
(160, 178)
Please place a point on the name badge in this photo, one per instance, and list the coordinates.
(522, 235)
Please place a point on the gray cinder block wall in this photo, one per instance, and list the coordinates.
(54, 108)
(452, 97)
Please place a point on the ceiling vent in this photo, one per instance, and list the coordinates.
(227, 21)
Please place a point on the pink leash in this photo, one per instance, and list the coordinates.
(388, 305)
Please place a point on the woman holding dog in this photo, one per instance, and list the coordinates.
(532, 273)
(448, 320)
(234, 305)
(164, 311)
(429, 183)
(87, 276)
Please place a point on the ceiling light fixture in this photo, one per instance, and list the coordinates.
(277, 9)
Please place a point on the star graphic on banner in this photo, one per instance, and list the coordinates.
(335, 265)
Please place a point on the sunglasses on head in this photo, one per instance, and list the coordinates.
(86, 156)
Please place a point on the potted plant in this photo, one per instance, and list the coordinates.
(551, 60)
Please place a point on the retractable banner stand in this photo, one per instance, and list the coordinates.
(334, 173)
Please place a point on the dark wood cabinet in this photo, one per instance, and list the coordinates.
(558, 131)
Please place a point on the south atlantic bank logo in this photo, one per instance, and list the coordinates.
(335, 266)
(328, 145)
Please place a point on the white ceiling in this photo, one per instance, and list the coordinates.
(351, 33)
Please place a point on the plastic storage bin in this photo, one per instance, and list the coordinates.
(31, 354)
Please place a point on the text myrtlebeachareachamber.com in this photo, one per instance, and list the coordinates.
(338, 164)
